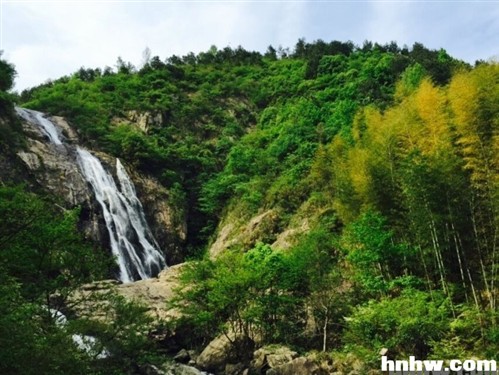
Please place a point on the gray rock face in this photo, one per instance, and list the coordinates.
(90, 299)
(54, 168)
(68, 132)
(168, 224)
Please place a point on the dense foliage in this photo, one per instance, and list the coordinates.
(206, 103)
(43, 260)
(387, 155)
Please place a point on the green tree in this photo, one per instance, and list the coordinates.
(42, 260)
(41, 247)
(244, 296)
(407, 325)
(7, 74)
(376, 260)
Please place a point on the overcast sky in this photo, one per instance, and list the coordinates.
(48, 39)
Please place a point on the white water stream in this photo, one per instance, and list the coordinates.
(38, 118)
(132, 242)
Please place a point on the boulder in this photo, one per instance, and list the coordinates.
(234, 369)
(280, 357)
(149, 369)
(182, 356)
(270, 357)
(217, 354)
(300, 365)
(349, 364)
(179, 369)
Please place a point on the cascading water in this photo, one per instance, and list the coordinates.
(137, 253)
(37, 118)
(131, 239)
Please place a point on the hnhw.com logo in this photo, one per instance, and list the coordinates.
(415, 366)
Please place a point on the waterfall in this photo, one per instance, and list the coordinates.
(132, 243)
(37, 118)
(131, 239)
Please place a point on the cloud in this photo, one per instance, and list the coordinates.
(467, 30)
(55, 40)
(388, 22)
(48, 39)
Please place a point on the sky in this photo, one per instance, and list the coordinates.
(48, 39)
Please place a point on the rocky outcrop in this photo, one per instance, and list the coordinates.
(262, 227)
(223, 241)
(265, 227)
(155, 293)
(144, 121)
(54, 167)
(152, 293)
(68, 132)
(287, 238)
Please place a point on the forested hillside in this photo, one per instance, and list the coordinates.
(339, 198)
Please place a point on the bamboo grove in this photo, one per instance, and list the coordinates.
(429, 164)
